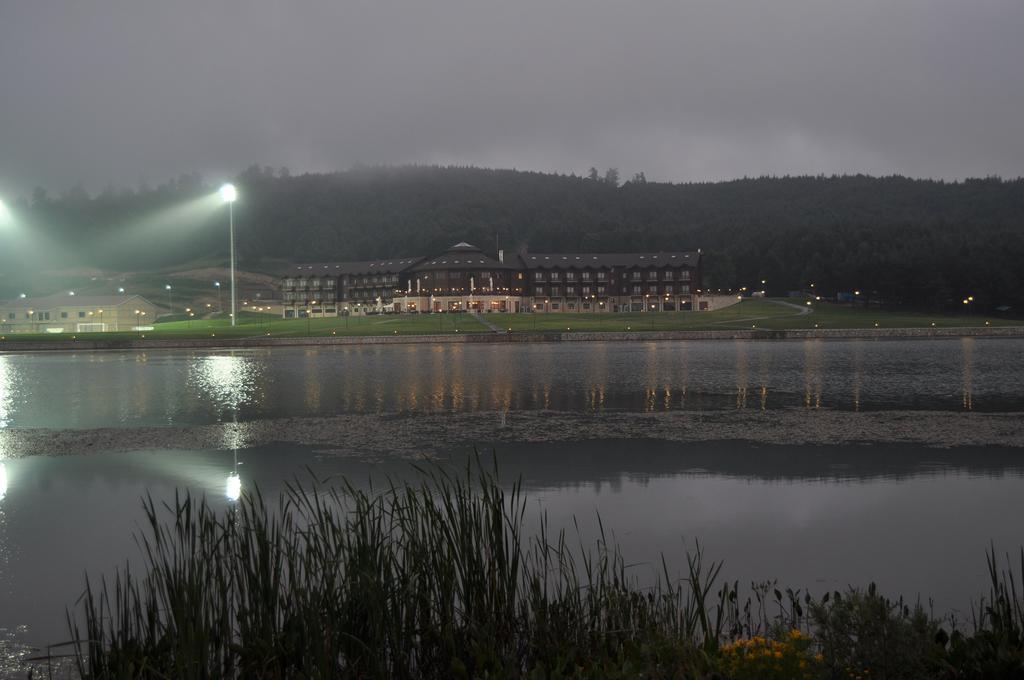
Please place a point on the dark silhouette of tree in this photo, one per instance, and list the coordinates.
(920, 243)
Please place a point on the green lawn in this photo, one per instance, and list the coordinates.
(751, 313)
(251, 325)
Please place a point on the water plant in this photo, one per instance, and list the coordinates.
(436, 579)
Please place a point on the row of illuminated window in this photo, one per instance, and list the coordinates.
(653, 275)
(570, 291)
(310, 283)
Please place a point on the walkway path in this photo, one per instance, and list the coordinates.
(803, 310)
(483, 319)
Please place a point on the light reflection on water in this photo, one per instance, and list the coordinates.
(813, 517)
(186, 387)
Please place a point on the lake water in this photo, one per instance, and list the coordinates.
(914, 519)
(125, 389)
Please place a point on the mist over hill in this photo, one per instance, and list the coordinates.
(919, 242)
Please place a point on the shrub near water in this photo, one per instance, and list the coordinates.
(791, 658)
(435, 580)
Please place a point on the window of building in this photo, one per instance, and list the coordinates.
(570, 290)
(570, 276)
(684, 275)
(601, 276)
(10, 316)
(538, 276)
(555, 306)
(653, 290)
(652, 275)
(538, 291)
(668, 275)
(556, 291)
(290, 283)
(637, 290)
(668, 289)
(685, 288)
(556, 276)
(45, 316)
(330, 283)
(63, 315)
(81, 315)
(600, 290)
(586, 290)
(571, 306)
(586, 276)
(635, 276)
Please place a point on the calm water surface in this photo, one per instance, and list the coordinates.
(915, 520)
(124, 389)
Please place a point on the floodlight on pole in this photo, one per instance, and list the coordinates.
(229, 194)
(5, 214)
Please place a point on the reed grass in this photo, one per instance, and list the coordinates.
(436, 579)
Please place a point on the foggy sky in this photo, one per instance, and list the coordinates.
(121, 92)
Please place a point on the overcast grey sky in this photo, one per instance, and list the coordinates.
(122, 91)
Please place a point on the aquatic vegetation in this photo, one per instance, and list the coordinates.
(436, 579)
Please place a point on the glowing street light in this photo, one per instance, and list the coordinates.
(229, 194)
(121, 290)
(170, 301)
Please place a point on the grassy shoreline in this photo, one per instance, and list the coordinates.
(752, 318)
(437, 579)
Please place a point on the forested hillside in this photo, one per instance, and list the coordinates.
(918, 242)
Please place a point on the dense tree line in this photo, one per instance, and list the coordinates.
(918, 242)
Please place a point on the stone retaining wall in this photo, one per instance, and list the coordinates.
(602, 336)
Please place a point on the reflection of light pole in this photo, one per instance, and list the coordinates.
(229, 195)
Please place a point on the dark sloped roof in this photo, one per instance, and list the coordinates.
(582, 260)
(65, 300)
(391, 265)
(462, 260)
(462, 255)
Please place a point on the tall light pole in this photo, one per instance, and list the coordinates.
(229, 194)
(170, 301)
(220, 305)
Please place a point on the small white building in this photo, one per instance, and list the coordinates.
(66, 313)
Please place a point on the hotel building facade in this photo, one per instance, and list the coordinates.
(465, 279)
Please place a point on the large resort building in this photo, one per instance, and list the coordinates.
(464, 278)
